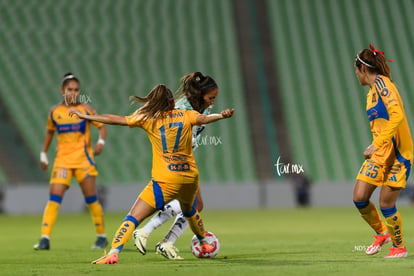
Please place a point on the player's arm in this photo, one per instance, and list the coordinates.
(101, 140)
(44, 162)
(104, 118)
(50, 131)
(102, 131)
(206, 119)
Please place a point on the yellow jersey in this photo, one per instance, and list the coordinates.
(171, 139)
(389, 125)
(74, 149)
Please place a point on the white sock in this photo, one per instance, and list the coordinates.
(113, 250)
(177, 229)
(170, 210)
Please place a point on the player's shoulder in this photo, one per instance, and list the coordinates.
(182, 103)
(88, 108)
(384, 86)
(55, 107)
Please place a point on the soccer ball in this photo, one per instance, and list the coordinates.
(212, 239)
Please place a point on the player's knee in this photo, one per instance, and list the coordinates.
(361, 204)
(200, 205)
(189, 211)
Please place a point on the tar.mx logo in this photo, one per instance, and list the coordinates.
(288, 168)
(81, 98)
(209, 140)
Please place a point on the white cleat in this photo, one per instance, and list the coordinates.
(140, 238)
(168, 250)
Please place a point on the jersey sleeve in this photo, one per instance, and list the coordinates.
(134, 120)
(395, 113)
(49, 124)
(192, 115)
(91, 111)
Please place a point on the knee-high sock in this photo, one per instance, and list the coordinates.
(196, 223)
(95, 208)
(170, 210)
(50, 214)
(394, 225)
(371, 215)
(123, 234)
(177, 229)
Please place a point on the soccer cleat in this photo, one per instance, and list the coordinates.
(397, 253)
(43, 244)
(168, 250)
(380, 240)
(100, 243)
(140, 238)
(107, 259)
(206, 248)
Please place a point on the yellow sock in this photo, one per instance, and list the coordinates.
(96, 211)
(371, 215)
(49, 217)
(394, 226)
(196, 223)
(124, 233)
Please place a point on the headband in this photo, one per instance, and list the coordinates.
(68, 77)
(363, 62)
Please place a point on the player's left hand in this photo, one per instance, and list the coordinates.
(369, 151)
(227, 113)
(98, 149)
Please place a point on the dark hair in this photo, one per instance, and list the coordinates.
(67, 78)
(194, 86)
(159, 100)
(375, 62)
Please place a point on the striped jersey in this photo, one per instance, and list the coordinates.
(184, 104)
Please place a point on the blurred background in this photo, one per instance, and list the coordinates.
(286, 66)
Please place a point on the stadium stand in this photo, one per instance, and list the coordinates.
(315, 44)
(116, 53)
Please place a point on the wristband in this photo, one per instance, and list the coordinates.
(43, 158)
(101, 141)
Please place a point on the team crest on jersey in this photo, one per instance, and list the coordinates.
(372, 114)
(374, 98)
(385, 92)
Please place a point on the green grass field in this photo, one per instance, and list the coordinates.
(253, 242)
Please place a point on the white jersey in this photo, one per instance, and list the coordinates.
(183, 103)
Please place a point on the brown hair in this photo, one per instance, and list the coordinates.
(374, 61)
(194, 86)
(159, 100)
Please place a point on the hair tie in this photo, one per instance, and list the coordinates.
(378, 51)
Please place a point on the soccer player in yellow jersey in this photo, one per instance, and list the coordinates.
(74, 158)
(197, 92)
(388, 158)
(174, 172)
